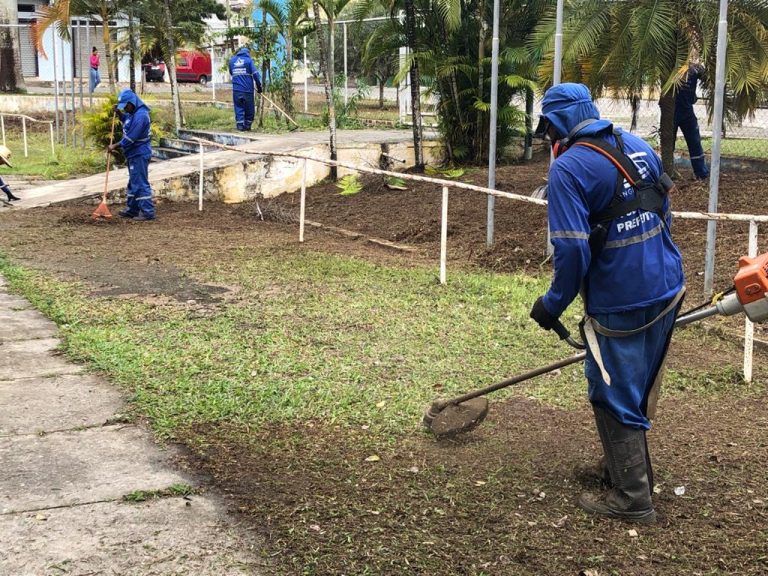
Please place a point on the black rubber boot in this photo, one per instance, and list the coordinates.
(11, 196)
(627, 459)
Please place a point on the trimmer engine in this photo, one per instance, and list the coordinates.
(751, 296)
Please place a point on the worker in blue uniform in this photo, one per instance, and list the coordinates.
(629, 273)
(245, 77)
(137, 149)
(685, 120)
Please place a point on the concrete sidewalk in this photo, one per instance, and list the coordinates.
(68, 459)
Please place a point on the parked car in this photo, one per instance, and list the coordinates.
(193, 66)
(154, 71)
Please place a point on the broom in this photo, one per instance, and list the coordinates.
(102, 210)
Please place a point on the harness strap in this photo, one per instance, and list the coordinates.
(602, 330)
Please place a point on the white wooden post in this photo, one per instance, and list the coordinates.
(2, 127)
(303, 204)
(24, 129)
(444, 235)
(53, 146)
(200, 185)
(749, 327)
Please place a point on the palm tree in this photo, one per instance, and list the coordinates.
(630, 46)
(292, 23)
(11, 78)
(60, 13)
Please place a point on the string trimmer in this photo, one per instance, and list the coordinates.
(446, 418)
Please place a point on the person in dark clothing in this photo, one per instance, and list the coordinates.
(685, 120)
(631, 283)
(5, 159)
(137, 148)
(245, 77)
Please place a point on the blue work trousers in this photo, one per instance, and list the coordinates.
(245, 108)
(688, 123)
(139, 193)
(632, 362)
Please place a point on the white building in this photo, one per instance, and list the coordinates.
(71, 57)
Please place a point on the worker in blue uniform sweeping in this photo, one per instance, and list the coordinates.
(137, 149)
(245, 77)
(609, 219)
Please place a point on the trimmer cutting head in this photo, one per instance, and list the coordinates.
(446, 419)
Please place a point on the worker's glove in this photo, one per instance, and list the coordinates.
(258, 90)
(542, 317)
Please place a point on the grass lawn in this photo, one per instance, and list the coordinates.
(67, 162)
(315, 337)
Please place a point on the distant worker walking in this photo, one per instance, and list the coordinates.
(245, 77)
(136, 145)
(94, 73)
(685, 119)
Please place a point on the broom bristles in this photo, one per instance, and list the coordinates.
(102, 211)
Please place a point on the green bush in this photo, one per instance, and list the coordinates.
(98, 125)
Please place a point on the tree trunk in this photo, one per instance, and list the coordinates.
(11, 78)
(328, 87)
(131, 50)
(105, 36)
(263, 66)
(528, 154)
(170, 62)
(288, 83)
(667, 132)
(479, 123)
(410, 35)
(382, 80)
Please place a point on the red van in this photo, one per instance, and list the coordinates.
(193, 66)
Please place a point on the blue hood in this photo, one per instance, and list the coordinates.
(567, 105)
(244, 52)
(128, 96)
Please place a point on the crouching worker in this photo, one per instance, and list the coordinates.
(136, 146)
(612, 243)
(5, 159)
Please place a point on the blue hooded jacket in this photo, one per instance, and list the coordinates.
(639, 264)
(136, 135)
(244, 73)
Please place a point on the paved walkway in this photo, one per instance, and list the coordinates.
(67, 459)
(91, 186)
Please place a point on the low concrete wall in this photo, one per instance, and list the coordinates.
(270, 176)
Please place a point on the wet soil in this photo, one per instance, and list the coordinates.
(500, 500)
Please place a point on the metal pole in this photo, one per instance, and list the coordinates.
(749, 327)
(88, 44)
(65, 124)
(213, 71)
(53, 147)
(80, 81)
(494, 114)
(346, 87)
(24, 131)
(717, 130)
(306, 77)
(55, 84)
(200, 186)
(558, 43)
(2, 127)
(444, 234)
(556, 76)
(303, 205)
(72, 78)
